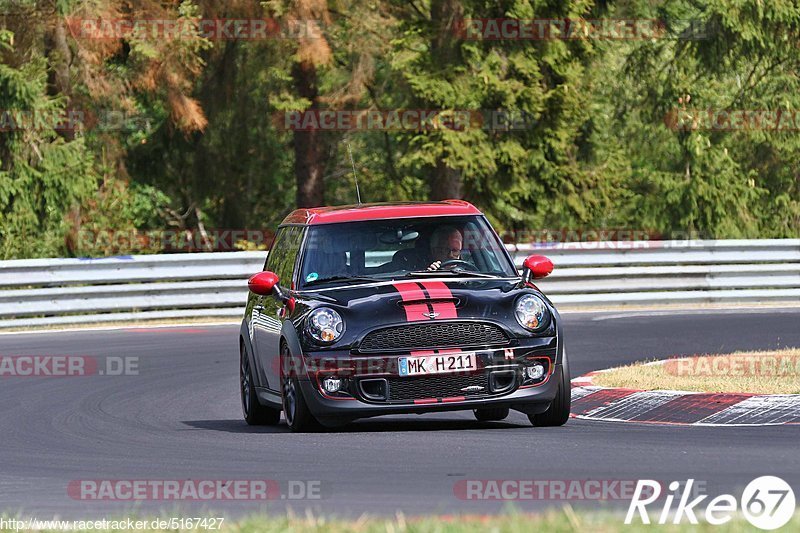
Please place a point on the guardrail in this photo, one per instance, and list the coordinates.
(40, 292)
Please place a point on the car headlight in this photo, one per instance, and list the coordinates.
(531, 312)
(325, 325)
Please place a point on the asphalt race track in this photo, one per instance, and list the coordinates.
(179, 418)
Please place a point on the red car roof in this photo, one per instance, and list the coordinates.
(379, 211)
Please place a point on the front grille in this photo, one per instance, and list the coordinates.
(447, 386)
(430, 336)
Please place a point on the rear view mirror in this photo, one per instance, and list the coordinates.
(263, 283)
(398, 236)
(536, 267)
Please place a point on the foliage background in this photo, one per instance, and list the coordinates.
(193, 143)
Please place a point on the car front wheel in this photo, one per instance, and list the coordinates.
(254, 413)
(558, 412)
(295, 409)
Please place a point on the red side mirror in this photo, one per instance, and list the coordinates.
(538, 265)
(263, 283)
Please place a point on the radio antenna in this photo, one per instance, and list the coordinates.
(355, 177)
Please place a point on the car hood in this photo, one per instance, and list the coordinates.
(365, 307)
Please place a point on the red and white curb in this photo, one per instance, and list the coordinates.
(591, 402)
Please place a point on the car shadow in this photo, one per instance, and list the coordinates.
(433, 424)
(234, 426)
(359, 426)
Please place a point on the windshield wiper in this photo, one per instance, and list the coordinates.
(338, 278)
(465, 272)
(455, 271)
(423, 273)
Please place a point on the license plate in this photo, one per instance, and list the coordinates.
(437, 364)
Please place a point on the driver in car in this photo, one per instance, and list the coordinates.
(446, 243)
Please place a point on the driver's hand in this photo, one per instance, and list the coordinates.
(435, 265)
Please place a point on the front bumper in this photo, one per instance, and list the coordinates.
(530, 401)
(500, 376)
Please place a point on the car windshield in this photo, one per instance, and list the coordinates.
(389, 249)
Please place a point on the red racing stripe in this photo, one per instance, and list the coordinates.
(453, 399)
(411, 292)
(437, 290)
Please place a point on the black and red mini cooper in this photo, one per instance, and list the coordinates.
(383, 309)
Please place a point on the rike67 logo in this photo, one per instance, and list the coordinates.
(767, 503)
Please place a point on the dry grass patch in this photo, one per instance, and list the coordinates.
(761, 372)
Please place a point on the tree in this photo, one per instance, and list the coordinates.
(43, 176)
(687, 174)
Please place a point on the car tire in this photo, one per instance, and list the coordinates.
(254, 413)
(490, 414)
(558, 412)
(295, 409)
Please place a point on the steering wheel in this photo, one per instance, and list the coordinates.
(459, 262)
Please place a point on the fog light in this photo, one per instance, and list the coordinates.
(535, 371)
(332, 385)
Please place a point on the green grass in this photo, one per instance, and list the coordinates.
(565, 520)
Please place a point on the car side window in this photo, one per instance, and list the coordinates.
(279, 261)
(282, 257)
(275, 251)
